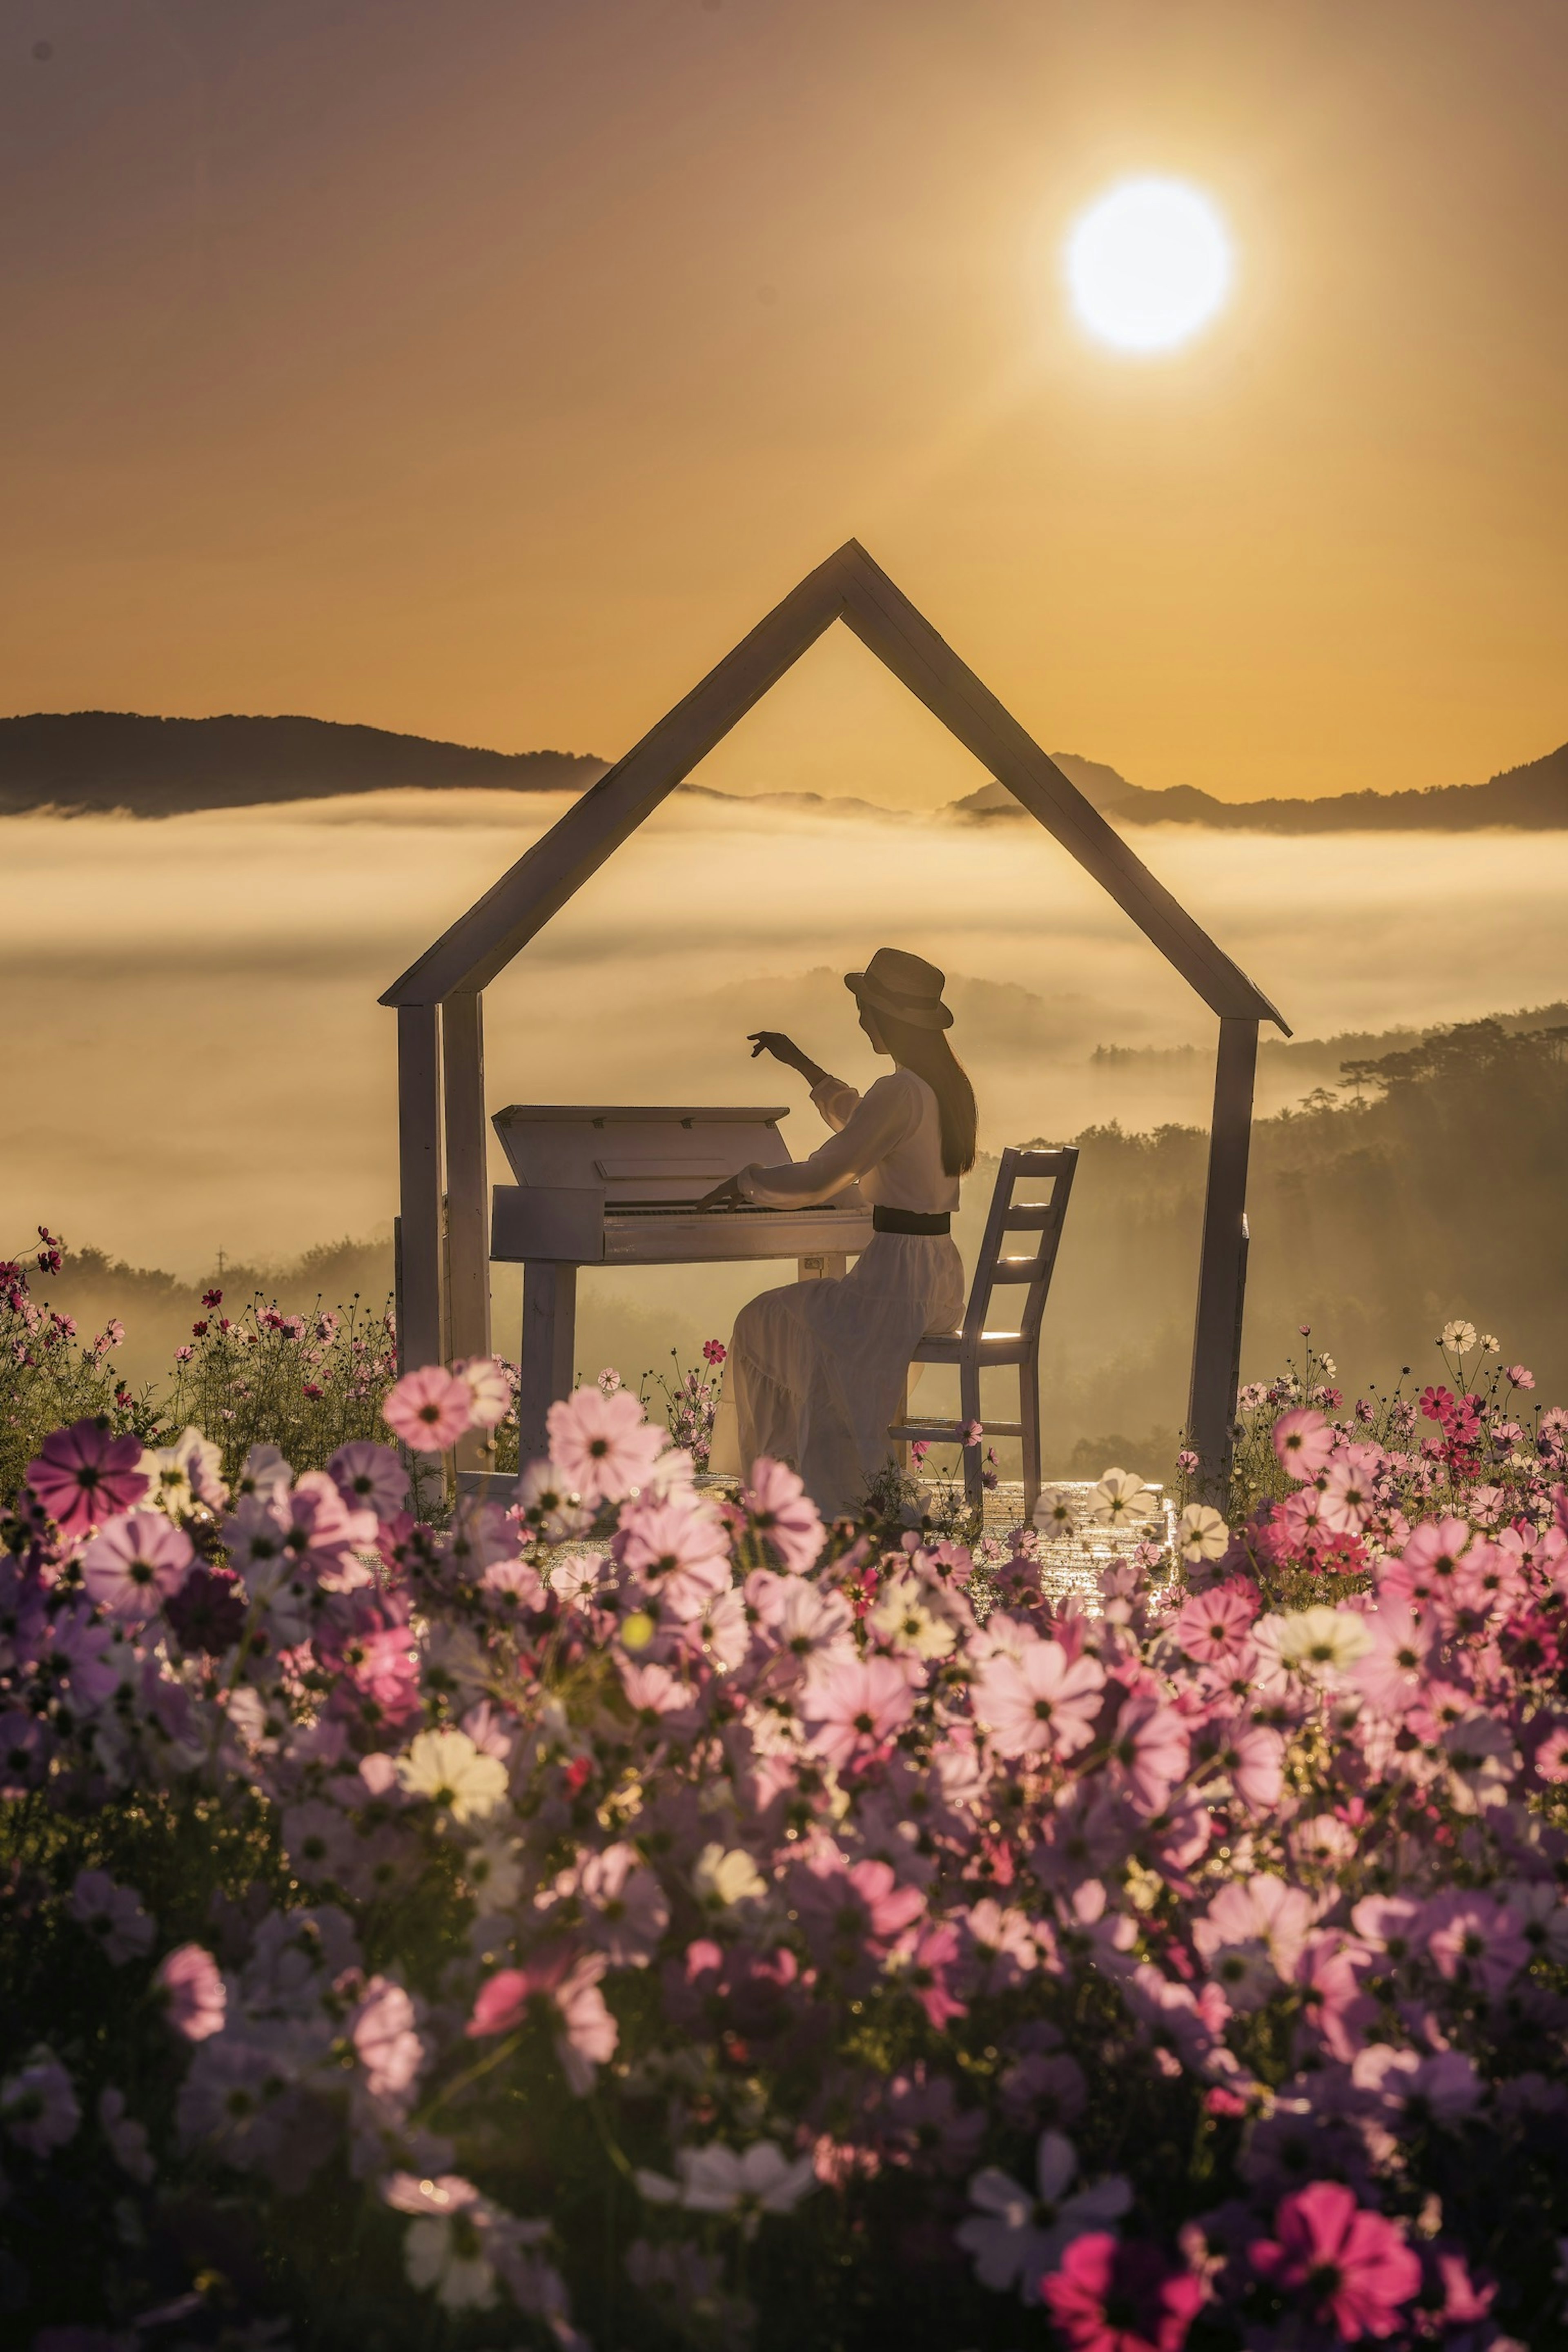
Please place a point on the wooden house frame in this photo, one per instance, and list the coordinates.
(445, 1295)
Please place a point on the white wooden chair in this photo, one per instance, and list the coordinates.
(974, 1349)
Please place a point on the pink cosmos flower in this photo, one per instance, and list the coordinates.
(601, 1444)
(1467, 1931)
(847, 1908)
(1349, 1498)
(781, 1513)
(1518, 1377)
(1111, 2296)
(1253, 1753)
(82, 1475)
(625, 1909)
(1303, 1441)
(928, 1959)
(679, 1548)
(1150, 1747)
(1212, 1626)
(489, 1389)
(1349, 2266)
(135, 1563)
(561, 1986)
(1551, 1758)
(1041, 1702)
(385, 2041)
(1389, 1676)
(369, 1478)
(852, 1706)
(194, 1999)
(429, 1409)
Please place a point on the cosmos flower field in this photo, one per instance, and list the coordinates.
(629, 1912)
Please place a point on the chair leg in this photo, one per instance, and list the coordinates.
(1029, 1414)
(969, 1410)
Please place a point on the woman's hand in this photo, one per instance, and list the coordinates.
(726, 1195)
(782, 1049)
(785, 1049)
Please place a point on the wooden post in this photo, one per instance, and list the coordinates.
(467, 1234)
(549, 1347)
(1222, 1274)
(419, 1168)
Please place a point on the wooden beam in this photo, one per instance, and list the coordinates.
(885, 621)
(419, 1166)
(467, 1235)
(548, 1351)
(483, 941)
(1222, 1272)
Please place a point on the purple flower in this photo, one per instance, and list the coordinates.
(37, 2106)
(113, 1914)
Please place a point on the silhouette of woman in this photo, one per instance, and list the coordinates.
(816, 1370)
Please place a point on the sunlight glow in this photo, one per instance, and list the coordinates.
(1148, 264)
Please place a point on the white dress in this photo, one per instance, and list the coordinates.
(817, 1371)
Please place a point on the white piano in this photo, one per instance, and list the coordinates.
(619, 1186)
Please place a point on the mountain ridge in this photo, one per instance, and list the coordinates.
(97, 762)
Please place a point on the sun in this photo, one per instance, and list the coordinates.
(1148, 265)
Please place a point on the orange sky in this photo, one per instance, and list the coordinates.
(485, 369)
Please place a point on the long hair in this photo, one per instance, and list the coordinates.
(928, 1055)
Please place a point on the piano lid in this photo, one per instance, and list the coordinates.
(641, 1153)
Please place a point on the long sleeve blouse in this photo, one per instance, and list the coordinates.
(887, 1141)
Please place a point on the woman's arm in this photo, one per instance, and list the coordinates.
(881, 1120)
(785, 1049)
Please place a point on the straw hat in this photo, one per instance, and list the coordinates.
(905, 987)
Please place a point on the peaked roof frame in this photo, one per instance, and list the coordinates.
(851, 588)
(443, 1262)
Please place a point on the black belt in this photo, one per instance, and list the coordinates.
(908, 1221)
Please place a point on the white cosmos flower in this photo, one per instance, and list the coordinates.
(1122, 1499)
(494, 1871)
(722, 1879)
(1203, 1533)
(446, 1766)
(1322, 1641)
(1054, 1512)
(715, 2180)
(191, 1470)
(1460, 1336)
(902, 1617)
(1481, 1760)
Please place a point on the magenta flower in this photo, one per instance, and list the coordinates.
(1348, 2266)
(601, 1444)
(1043, 1701)
(429, 1409)
(852, 1706)
(1109, 2296)
(136, 1564)
(562, 1988)
(781, 1513)
(82, 1475)
(1303, 1441)
(194, 1999)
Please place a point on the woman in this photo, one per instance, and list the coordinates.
(818, 1369)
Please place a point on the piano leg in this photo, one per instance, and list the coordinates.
(829, 1267)
(548, 1346)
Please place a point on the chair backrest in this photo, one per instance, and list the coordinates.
(1022, 1165)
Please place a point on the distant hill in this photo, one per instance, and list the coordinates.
(84, 761)
(1533, 798)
